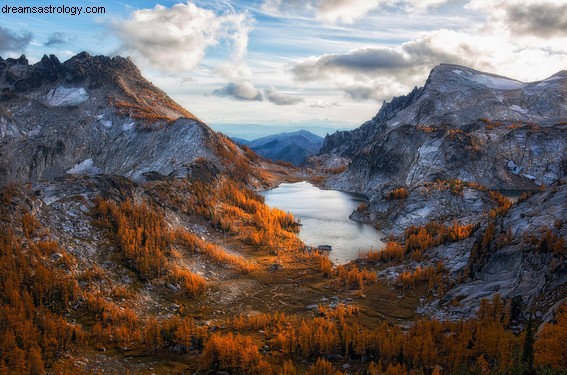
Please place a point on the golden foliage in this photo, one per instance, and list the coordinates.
(551, 345)
(140, 232)
(503, 204)
(191, 283)
(398, 193)
(420, 238)
(233, 353)
(392, 251)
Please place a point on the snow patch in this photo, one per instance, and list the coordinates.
(513, 167)
(106, 123)
(64, 97)
(128, 126)
(35, 132)
(85, 167)
(517, 108)
(497, 83)
(554, 78)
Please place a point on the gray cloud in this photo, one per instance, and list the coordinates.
(360, 93)
(543, 19)
(369, 62)
(240, 91)
(362, 62)
(56, 39)
(378, 73)
(10, 42)
(280, 98)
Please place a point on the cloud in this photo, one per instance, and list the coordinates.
(542, 19)
(10, 42)
(281, 98)
(426, 50)
(177, 38)
(56, 39)
(240, 91)
(378, 73)
(362, 93)
(360, 61)
(322, 104)
(344, 11)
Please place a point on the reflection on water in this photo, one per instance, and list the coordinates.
(324, 215)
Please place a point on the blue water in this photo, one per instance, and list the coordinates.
(324, 215)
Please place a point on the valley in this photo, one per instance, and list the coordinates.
(135, 239)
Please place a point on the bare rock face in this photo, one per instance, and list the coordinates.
(425, 204)
(93, 115)
(525, 256)
(463, 124)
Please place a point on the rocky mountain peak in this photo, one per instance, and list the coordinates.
(95, 114)
(462, 124)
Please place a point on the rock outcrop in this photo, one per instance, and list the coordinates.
(94, 114)
(521, 254)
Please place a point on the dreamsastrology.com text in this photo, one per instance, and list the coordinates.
(50, 9)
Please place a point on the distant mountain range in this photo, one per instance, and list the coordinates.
(255, 131)
(292, 147)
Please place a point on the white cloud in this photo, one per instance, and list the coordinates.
(344, 11)
(281, 98)
(240, 91)
(323, 104)
(176, 38)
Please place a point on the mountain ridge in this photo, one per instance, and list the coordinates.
(96, 114)
(458, 109)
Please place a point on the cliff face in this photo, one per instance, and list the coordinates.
(463, 124)
(94, 115)
(521, 254)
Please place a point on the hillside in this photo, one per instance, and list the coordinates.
(292, 147)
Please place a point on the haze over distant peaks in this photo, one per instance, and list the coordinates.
(292, 147)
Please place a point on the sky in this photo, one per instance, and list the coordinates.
(305, 63)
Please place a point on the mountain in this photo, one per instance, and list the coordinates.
(255, 131)
(430, 160)
(463, 124)
(96, 114)
(292, 147)
(131, 241)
